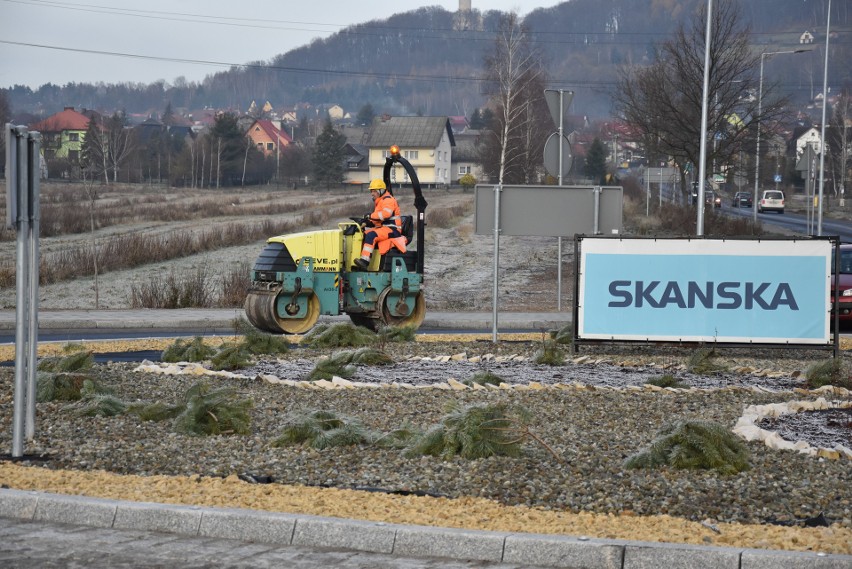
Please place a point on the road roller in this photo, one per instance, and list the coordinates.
(300, 276)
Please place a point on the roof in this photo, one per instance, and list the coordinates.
(409, 132)
(272, 131)
(69, 119)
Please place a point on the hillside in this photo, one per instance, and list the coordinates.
(426, 61)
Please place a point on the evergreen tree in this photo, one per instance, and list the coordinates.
(328, 156)
(366, 114)
(596, 161)
(93, 155)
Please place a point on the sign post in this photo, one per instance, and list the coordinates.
(558, 158)
(22, 194)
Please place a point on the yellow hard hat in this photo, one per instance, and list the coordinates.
(378, 184)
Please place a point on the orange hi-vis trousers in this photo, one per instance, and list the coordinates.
(382, 237)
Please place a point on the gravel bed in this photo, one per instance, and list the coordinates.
(591, 431)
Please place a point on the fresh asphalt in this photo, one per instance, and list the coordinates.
(39, 529)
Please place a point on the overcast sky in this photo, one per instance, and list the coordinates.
(68, 40)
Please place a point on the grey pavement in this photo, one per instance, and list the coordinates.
(48, 530)
(221, 320)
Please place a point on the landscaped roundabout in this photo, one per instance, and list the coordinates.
(630, 443)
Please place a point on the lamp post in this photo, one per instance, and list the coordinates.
(823, 146)
(702, 167)
(759, 118)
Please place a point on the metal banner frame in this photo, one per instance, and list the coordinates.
(834, 336)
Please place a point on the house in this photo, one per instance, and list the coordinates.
(466, 156)
(459, 124)
(426, 142)
(806, 37)
(62, 135)
(356, 167)
(267, 137)
(805, 137)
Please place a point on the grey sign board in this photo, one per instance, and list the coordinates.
(552, 148)
(549, 211)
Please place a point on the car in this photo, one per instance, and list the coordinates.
(711, 199)
(771, 200)
(841, 285)
(742, 199)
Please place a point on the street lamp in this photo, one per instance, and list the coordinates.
(759, 118)
(702, 168)
(823, 147)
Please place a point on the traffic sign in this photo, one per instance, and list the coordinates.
(558, 102)
(551, 155)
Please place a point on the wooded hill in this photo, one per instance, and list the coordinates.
(427, 61)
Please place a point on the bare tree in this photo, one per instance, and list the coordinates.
(663, 102)
(514, 69)
(119, 143)
(839, 140)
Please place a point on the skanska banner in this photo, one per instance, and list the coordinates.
(705, 290)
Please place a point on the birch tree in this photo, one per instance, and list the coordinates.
(514, 71)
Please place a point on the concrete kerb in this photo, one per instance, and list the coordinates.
(410, 541)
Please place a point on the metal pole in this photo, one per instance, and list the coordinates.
(597, 225)
(702, 168)
(495, 288)
(757, 154)
(559, 238)
(823, 146)
(34, 173)
(21, 315)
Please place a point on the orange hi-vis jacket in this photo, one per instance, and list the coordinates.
(386, 212)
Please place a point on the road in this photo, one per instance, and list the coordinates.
(798, 223)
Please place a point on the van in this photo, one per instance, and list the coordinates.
(771, 200)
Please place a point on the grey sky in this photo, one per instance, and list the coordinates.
(222, 31)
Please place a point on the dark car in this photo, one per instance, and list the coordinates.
(742, 199)
(842, 284)
(712, 199)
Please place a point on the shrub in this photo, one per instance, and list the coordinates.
(97, 401)
(188, 351)
(693, 445)
(341, 335)
(371, 357)
(231, 356)
(667, 380)
(73, 362)
(213, 412)
(323, 429)
(261, 343)
(702, 362)
(483, 378)
(476, 431)
(58, 386)
(549, 354)
(335, 365)
(157, 411)
(564, 335)
(828, 372)
(397, 334)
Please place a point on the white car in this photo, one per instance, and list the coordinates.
(771, 200)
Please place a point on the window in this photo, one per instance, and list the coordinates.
(73, 156)
(270, 146)
(464, 170)
(386, 154)
(260, 146)
(74, 136)
(412, 154)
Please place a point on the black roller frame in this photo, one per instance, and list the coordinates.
(419, 201)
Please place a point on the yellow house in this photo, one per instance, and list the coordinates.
(426, 142)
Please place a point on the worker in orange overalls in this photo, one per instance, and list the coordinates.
(384, 222)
